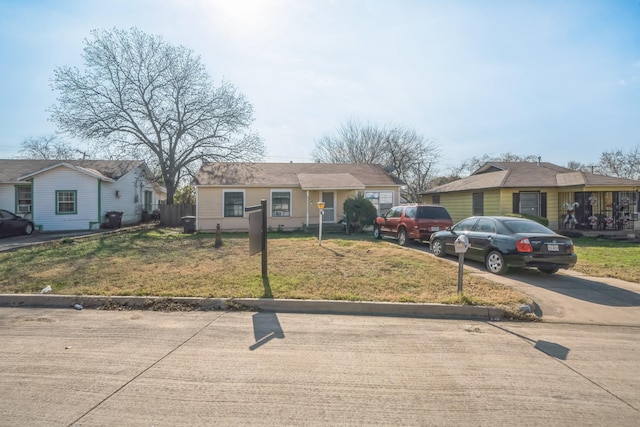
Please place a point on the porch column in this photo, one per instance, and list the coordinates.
(307, 209)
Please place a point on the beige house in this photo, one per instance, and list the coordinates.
(568, 199)
(292, 192)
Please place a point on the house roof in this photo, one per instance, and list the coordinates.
(308, 176)
(528, 175)
(17, 170)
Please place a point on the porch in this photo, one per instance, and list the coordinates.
(609, 212)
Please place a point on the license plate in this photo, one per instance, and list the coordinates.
(552, 247)
(435, 228)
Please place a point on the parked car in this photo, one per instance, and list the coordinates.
(11, 223)
(411, 222)
(503, 242)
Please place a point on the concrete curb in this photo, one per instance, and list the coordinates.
(257, 304)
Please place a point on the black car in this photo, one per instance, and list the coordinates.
(11, 223)
(502, 242)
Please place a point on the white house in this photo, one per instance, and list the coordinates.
(77, 194)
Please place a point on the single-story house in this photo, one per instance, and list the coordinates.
(292, 191)
(77, 194)
(569, 199)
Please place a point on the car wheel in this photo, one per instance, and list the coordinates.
(376, 232)
(402, 237)
(28, 229)
(548, 270)
(495, 263)
(437, 248)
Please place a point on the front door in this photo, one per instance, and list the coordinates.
(329, 207)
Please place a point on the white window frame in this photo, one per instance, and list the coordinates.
(376, 200)
(272, 212)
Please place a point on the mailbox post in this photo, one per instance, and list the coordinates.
(461, 245)
(320, 215)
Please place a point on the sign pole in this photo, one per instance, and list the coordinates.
(263, 203)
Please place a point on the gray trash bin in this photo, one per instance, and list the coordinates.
(189, 224)
(114, 219)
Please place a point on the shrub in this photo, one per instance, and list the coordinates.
(358, 212)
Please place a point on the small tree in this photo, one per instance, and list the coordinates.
(358, 212)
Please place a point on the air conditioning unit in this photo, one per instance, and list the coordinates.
(24, 208)
(278, 213)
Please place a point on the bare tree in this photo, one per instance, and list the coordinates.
(621, 164)
(144, 98)
(468, 166)
(49, 147)
(409, 155)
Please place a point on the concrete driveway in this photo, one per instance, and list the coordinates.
(569, 296)
(15, 242)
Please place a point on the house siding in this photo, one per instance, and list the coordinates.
(45, 186)
(210, 209)
(8, 197)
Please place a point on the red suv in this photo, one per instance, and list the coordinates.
(415, 222)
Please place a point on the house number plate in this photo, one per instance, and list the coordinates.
(552, 247)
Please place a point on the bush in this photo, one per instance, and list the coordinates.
(358, 212)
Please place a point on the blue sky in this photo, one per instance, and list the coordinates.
(558, 79)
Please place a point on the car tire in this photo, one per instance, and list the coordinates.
(28, 229)
(402, 237)
(548, 270)
(437, 248)
(376, 232)
(495, 263)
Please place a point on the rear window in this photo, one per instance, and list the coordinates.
(433, 212)
(527, 227)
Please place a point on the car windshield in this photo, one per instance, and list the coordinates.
(433, 212)
(527, 227)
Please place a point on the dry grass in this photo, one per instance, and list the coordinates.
(165, 262)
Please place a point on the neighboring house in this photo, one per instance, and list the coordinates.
(292, 191)
(568, 199)
(77, 194)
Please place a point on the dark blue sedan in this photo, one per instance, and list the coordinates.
(11, 224)
(502, 242)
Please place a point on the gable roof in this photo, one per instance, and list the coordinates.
(308, 176)
(528, 175)
(16, 170)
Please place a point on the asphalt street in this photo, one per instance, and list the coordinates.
(95, 367)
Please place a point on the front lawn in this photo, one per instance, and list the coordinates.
(165, 262)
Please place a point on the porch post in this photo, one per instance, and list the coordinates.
(307, 208)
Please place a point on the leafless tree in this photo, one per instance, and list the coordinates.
(620, 163)
(468, 166)
(410, 156)
(49, 147)
(143, 98)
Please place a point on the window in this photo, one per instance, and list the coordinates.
(435, 199)
(478, 204)
(280, 203)
(233, 204)
(66, 202)
(23, 198)
(530, 203)
(382, 200)
(485, 225)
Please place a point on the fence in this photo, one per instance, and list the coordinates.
(170, 215)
